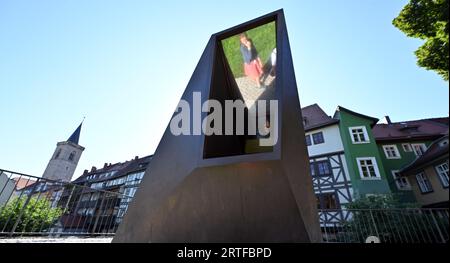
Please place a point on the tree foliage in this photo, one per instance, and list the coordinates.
(385, 201)
(428, 20)
(38, 214)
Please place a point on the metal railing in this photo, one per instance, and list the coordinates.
(33, 206)
(405, 225)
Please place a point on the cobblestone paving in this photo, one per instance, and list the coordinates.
(251, 93)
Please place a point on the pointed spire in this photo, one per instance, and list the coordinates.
(75, 137)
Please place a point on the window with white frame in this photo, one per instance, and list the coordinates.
(97, 185)
(359, 134)
(406, 147)
(419, 148)
(130, 191)
(368, 168)
(134, 178)
(122, 212)
(391, 151)
(424, 183)
(442, 171)
(401, 182)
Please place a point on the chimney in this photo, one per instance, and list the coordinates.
(386, 120)
(105, 165)
(93, 169)
(136, 157)
(85, 172)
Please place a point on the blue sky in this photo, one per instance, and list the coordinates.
(125, 64)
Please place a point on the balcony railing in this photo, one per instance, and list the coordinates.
(31, 206)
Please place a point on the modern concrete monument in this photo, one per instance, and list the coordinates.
(228, 188)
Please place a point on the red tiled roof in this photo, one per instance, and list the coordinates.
(417, 129)
(23, 182)
(315, 117)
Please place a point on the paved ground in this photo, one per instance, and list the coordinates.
(57, 240)
(250, 92)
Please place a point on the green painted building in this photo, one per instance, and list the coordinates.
(353, 155)
(363, 158)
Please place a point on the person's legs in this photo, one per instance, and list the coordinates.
(254, 72)
(260, 73)
(258, 82)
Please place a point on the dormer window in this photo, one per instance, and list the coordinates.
(410, 128)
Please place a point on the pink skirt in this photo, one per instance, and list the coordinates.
(253, 70)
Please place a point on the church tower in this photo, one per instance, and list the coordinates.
(63, 163)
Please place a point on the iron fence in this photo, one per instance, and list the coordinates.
(33, 206)
(406, 225)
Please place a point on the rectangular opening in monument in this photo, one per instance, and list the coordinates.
(251, 57)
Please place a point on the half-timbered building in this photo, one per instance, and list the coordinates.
(328, 167)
